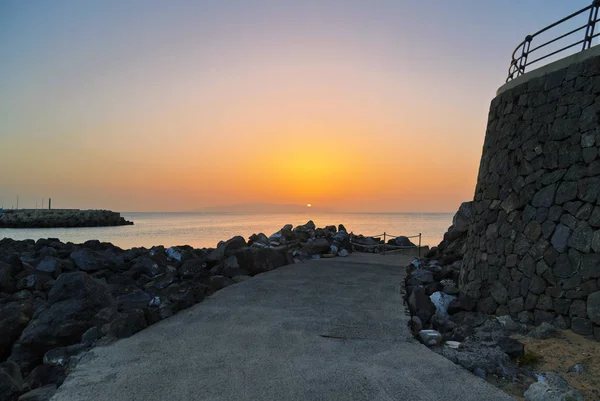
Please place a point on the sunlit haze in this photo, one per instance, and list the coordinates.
(180, 105)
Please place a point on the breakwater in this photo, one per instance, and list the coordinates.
(50, 218)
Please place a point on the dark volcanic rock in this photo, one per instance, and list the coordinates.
(88, 260)
(227, 248)
(44, 375)
(7, 283)
(401, 241)
(137, 299)
(14, 317)
(420, 304)
(73, 301)
(260, 260)
(316, 246)
(462, 303)
(220, 282)
(126, 324)
(11, 382)
(39, 394)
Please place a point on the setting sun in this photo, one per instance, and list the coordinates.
(309, 205)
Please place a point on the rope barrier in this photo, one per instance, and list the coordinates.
(385, 245)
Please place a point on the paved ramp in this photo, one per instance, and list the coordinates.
(332, 329)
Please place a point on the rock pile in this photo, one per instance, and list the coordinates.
(57, 299)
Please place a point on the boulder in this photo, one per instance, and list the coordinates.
(219, 282)
(183, 295)
(259, 239)
(401, 241)
(73, 302)
(11, 382)
(51, 265)
(39, 394)
(260, 260)
(462, 219)
(14, 317)
(61, 356)
(29, 282)
(577, 368)
(420, 304)
(460, 304)
(306, 231)
(473, 356)
(550, 387)
(191, 268)
(442, 324)
(7, 283)
(239, 279)
(511, 347)
(441, 302)
(126, 324)
(145, 265)
(543, 331)
(44, 375)
(593, 307)
(316, 246)
(137, 299)
(420, 277)
(174, 253)
(226, 248)
(90, 261)
(430, 337)
(582, 326)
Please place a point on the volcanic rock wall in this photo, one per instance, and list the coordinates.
(533, 248)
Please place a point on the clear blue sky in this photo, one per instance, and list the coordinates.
(175, 105)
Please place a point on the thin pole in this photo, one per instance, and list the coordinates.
(384, 242)
(419, 244)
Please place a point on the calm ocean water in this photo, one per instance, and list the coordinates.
(207, 229)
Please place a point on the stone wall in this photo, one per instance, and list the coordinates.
(533, 248)
(36, 218)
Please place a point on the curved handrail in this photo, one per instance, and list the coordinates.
(519, 63)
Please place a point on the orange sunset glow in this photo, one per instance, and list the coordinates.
(190, 105)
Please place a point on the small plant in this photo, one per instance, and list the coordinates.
(528, 359)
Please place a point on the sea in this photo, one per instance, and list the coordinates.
(205, 230)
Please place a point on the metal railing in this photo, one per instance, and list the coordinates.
(383, 246)
(520, 62)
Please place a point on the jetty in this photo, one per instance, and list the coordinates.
(51, 218)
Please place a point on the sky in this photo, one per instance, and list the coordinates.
(147, 105)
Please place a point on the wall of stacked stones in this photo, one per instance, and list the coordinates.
(533, 248)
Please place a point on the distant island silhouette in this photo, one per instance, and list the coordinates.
(259, 207)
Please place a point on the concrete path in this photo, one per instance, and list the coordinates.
(333, 329)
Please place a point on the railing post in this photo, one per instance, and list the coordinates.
(589, 30)
(383, 242)
(524, 53)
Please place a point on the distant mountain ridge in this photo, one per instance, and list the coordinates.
(259, 207)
